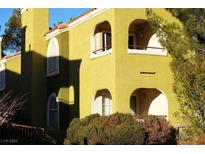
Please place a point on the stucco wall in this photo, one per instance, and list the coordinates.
(119, 72)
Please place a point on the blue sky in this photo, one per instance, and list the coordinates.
(61, 14)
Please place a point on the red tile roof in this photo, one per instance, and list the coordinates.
(64, 25)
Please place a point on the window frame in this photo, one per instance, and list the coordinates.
(52, 109)
(134, 40)
(49, 54)
(103, 105)
(103, 51)
(104, 39)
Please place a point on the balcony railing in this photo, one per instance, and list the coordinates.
(141, 47)
(29, 131)
(102, 49)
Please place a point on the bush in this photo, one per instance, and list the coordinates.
(76, 126)
(158, 131)
(200, 140)
(115, 129)
(120, 129)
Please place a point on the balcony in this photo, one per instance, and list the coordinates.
(142, 39)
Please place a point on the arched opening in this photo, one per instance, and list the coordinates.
(142, 39)
(145, 101)
(102, 38)
(140, 32)
(53, 112)
(53, 57)
(2, 77)
(102, 103)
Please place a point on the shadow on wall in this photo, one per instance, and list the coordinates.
(33, 80)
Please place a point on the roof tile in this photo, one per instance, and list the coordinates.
(64, 25)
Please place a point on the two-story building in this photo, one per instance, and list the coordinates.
(103, 61)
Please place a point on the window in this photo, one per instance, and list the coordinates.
(101, 40)
(106, 41)
(106, 106)
(102, 103)
(52, 112)
(2, 77)
(53, 57)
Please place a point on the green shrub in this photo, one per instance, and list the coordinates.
(115, 129)
(158, 131)
(72, 133)
(76, 132)
(120, 129)
(123, 133)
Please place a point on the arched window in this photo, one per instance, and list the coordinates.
(142, 40)
(101, 43)
(102, 103)
(52, 112)
(53, 57)
(2, 77)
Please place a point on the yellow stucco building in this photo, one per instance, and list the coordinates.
(103, 61)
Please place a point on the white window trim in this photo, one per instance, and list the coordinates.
(147, 52)
(101, 53)
(48, 110)
(57, 56)
(3, 73)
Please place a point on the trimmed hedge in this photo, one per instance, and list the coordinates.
(119, 129)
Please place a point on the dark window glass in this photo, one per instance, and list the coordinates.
(131, 42)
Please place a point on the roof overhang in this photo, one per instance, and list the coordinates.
(75, 23)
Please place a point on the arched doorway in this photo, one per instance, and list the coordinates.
(102, 103)
(148, 101)
(53, 112)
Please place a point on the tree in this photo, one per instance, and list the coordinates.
(10, 104)
(12, 35)
(188, 64)
(192, 19)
